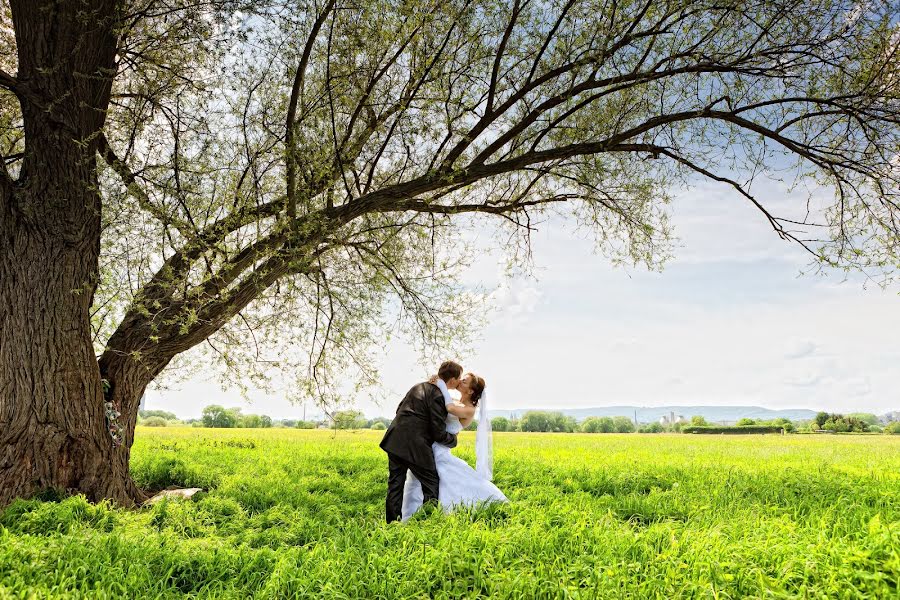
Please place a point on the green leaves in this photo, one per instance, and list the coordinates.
(412, 113)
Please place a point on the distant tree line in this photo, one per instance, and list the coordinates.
(543, 421)
(219, 417)
(215, 416)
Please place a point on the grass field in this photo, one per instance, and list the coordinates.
(300, 514)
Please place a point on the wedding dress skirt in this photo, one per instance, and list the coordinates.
(459, 485)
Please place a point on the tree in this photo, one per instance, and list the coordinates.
(784, 423)
(146, 414)
(384, 421)
(867, 418)
(590, 425)
(167, 182)
(255, 421)
(535, 420)
(598, 425)
(745, 422)
(378, 426)
(841, 423)
(217, 416)
(623, 425)
(348, 419)
(563, 423)
(698, 421)
(250, 421)
(500, 424)
(892, 428)
(838, 426)
(154, 422)
(652, 428)
(306, 424)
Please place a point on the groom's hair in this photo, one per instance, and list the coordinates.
(449, 370)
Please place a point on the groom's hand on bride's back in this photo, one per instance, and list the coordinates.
(452, 440)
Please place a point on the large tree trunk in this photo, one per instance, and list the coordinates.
(53, 428)
(53, 431)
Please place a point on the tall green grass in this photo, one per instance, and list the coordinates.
(300, 514)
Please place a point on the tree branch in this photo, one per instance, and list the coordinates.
(296, 90)
(130, 181)
(9, 82)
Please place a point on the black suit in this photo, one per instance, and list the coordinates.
(421, 420)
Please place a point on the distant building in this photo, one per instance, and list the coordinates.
(672, 419)
(889, 417)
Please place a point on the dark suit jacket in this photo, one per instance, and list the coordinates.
(421, 420)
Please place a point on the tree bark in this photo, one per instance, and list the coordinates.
(129, 375)
(53, 429)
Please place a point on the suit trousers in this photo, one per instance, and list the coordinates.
(397, 468)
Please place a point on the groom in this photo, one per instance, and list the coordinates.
(421, 420)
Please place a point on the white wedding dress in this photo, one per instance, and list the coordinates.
(460, 484)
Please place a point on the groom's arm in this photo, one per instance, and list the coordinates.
(438, 421)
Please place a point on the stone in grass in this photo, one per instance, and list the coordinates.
(184, 493)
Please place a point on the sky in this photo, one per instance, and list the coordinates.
(729, 321)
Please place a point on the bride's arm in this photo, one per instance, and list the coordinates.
(461, 410)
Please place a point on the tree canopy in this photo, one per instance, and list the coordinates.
(280, 174)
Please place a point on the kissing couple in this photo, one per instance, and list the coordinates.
(421, 468)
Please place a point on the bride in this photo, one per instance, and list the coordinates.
(460, 484)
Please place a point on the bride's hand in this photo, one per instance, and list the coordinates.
(433, 379)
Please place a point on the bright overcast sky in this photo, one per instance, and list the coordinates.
(728, 322)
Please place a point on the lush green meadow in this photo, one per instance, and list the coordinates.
(300, 514)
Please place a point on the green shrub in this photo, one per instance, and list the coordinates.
(154, 422)
(744, 429)
(652, 428)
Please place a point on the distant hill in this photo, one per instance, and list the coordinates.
(649, 414)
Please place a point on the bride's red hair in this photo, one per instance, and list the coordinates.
(477, 388)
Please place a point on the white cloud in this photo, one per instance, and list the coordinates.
(799, 348)
(515, 300)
